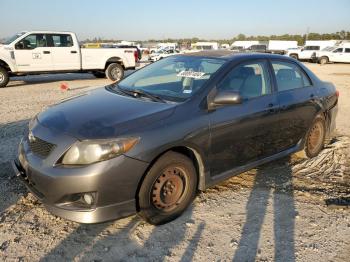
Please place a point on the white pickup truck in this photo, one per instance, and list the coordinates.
(336, 54)
(39, 52)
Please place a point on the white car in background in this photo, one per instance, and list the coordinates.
(161, 54)
(337, 54)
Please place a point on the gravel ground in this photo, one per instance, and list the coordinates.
(288, 210)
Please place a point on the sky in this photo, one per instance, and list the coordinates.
(142, 20)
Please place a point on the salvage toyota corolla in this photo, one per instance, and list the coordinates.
(148, 143)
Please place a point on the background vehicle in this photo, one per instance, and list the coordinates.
(205, 46)
(257, 48)
(179, 125)
(40, 52)
(240, 45)
(161, 54)
(280, 47)
(337, 54)
(308, 51)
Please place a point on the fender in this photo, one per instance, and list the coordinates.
(114, 59)
(7, 64)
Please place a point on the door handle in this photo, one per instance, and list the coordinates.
(73, 52)
(46, 52)
(271, 107)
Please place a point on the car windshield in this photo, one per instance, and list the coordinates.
(13, 38)
(329, 48)
(175, 78)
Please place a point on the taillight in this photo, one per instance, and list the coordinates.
(337, 93)
(136, 56)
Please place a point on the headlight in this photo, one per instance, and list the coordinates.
(91, 151)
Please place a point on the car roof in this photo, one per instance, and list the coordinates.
(230, 55)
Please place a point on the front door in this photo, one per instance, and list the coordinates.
(245, 132)
(32, 54)
(337, 55)
(345, 58)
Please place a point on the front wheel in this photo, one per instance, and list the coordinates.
(324, 60)
(4, 77)
(294, 56)
(168, 189)
(315, 138)
(115, 72)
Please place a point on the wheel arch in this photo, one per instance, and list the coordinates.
(294, 54)
(5, 65)
(188, 151)
(114, 59)
(324, 56)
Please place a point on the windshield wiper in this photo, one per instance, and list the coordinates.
(139, 92)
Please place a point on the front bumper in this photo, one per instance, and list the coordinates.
(113, 182)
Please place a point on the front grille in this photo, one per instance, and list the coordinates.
(40, 147)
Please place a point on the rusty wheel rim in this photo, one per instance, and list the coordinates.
(315, 137)
(169, 188)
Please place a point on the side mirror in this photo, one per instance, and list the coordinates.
(225, 97)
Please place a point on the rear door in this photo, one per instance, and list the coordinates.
(245, 132)
(298, 102)
(32, 54)
(65, 55)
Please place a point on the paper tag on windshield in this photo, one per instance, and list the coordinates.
(191, 74)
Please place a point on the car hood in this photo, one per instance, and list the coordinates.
(102, 114)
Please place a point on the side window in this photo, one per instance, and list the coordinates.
(61, 40)
(249, 79)
(338, 50)
(347, 50)
(289, 76)
(31, 42)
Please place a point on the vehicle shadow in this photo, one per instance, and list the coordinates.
(129, 239)
(49, 78)
(275, 179)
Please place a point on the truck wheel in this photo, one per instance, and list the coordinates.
(98, 74)
(295, 56)
(324, 60)
(4, 77)
(115, 72)
(168, 189)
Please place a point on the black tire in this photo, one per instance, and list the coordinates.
(315, 137)
(115, 72)
(4, 77)
(324, 60)
(167, 189)
(295, 56)
(98, 74)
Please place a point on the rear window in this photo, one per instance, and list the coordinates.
(60, 40)
(289, 76)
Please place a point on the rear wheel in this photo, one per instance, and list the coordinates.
(324, 60)
(4, 77)
(315, 138)
(168, 189)
(115, 72)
